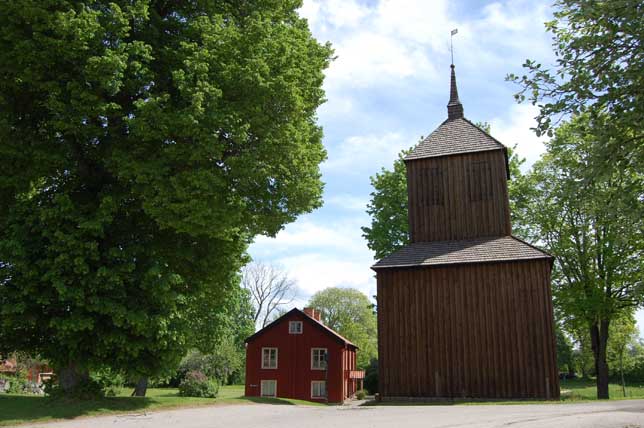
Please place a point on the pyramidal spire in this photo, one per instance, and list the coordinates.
(454, 107)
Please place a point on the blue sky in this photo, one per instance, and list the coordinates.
(388, 87)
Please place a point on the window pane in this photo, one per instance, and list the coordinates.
(317, 358)
(268, 388)
(295, 327)
(318, 389)
(269, 358)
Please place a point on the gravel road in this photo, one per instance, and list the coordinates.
(622, 414)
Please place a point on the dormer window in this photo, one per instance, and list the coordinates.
(295, 327)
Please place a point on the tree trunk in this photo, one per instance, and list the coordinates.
(141, 387)
(599, 340)
(621, 371)
(70, 377)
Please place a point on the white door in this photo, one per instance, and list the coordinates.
(268, 388)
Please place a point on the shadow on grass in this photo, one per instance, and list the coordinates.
(373, 403)
(457, 401)
(23, 408)
(267, 400)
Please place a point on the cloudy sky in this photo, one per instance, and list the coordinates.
(388, 86)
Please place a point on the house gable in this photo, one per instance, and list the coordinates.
(290, 316)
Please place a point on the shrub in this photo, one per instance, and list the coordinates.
(371, 377)
(16, 382)
(111, 382)
(88, 389)
(361, 394)
(225, 363)
(197, 384)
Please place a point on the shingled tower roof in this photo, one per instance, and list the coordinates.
(456, 135)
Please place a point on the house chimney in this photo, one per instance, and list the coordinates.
(312, 313)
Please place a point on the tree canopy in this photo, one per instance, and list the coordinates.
(388, 209)
(592, 225)
(143, 144)
(600, 58)
(349, 312)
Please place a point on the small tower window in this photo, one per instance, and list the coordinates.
(432, 181)
(479, 181)
(295, 327)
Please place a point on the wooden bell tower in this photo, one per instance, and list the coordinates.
(464, 310)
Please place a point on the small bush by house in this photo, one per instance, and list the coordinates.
(197, 384)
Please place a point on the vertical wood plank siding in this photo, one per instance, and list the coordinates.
(473, 191)
(473, 330)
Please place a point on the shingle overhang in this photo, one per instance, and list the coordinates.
(480, 250)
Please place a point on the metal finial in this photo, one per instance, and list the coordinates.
(451, 42)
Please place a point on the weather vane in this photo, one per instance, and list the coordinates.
(451, 43)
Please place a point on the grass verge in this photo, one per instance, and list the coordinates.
(18, 409)
(572, 391)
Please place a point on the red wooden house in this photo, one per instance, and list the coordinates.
(297, 356)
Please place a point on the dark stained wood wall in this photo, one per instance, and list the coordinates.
(473, 330)
(445, 204)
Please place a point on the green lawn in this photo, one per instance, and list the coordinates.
(585, 389)
(15, 409)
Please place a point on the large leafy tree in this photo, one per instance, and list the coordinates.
(592, 225)
(600, 58)
(143, 144)
(349, 312)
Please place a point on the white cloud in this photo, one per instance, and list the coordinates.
(514, 128)
(507, 33)
(366, 154)
(314, 272)
(420, 22)
(319, 254)
(347, 202)
(305, 234)
(381, 44)
(369, 57)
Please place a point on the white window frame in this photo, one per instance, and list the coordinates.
(269, 359)
(323, 382)
(325, 363)
(292, 329)
(261, 387)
